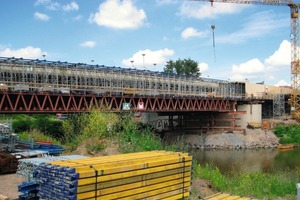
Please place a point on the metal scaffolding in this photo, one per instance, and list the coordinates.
(26, 75)
(278, 106)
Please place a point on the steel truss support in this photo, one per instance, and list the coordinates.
(56, 103)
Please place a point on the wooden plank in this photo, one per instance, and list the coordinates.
(98, 162)
(91, 172)
(100, 178)
(135, 181)
(137, 187)
(145, 175)
(2, 197)
(110, 159)
(218, 197)
(232, 198)
(142, 193)
(171, 195)
(178, 196)
(213, 195)
(86, 167)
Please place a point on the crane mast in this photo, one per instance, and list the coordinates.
(294, 37)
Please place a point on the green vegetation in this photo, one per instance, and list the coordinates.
(47, 124)
(288, 133)
(96, 129)
(256, 184)
(36, 135)
(183, 67)
(89, 127)
(93, 130)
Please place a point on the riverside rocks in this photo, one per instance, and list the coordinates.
(251, 139)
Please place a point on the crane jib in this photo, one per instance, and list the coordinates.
(258, 2)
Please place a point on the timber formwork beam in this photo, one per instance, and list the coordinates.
(68, 103)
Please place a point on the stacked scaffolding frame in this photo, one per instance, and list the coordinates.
(26, 75)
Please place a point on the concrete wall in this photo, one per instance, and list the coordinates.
(253, 114)
(259, 91)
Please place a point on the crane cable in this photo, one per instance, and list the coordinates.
(213, 34)
(213, 31)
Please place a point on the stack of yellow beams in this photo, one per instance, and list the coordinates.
(224, 196)
(146, 175)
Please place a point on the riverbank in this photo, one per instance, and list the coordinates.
(250, 139)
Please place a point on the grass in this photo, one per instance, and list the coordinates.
(251, 184)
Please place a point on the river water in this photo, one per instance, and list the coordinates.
(250, 160)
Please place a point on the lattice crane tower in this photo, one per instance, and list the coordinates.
(295, 63)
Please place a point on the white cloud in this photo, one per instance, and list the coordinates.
(282, 83)
(89, 44)
(276, 66)
(203, 67)
(250, 67)
(41, 2)
(27, 52)
(41, 16)
(281, 57)
(73, 6)
(154, 60)
(205, 10)
(192, 32)
(248, 70)
(119, 14)
(55, 6)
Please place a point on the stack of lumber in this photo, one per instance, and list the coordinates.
(8, 163)
(145, 175)
(224, 196)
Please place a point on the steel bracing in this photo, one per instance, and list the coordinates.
(278, 105)
(56, 103)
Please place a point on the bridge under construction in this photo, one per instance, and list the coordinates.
(41, 86)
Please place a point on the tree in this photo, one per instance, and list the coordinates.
(183, 67)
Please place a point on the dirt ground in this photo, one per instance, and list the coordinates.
(9, 185)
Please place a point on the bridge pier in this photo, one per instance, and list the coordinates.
(201, 122)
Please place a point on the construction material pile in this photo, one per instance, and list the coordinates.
(8, 163)
(29, 189)
(26, 166)
(152, 175)
(46, 147)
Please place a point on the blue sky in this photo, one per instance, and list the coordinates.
(251, 41)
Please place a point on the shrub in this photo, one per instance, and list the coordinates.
(288, 133)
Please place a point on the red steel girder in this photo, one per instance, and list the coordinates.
(69, 103)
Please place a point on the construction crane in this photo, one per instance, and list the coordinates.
(295, 63)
